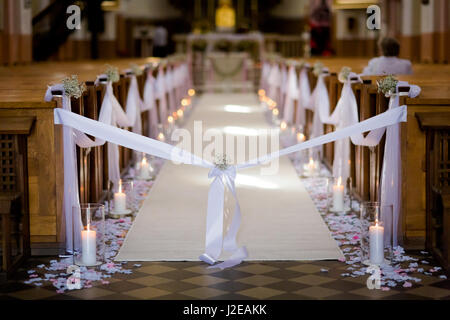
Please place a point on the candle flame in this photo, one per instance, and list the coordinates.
(283, 125)
(180, 113)
(300, 137)
(339, 182)
(376, 222)
(275, 112)
(311, 162)
(161, 136)
(170, 119)
(144, 160)
(262, 92)
(88, 227)
(120, 186)
(191, 92)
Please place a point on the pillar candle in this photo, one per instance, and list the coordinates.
(88, 247)
(120, 199)
(144, 171)
(376, 250)
(338, 196)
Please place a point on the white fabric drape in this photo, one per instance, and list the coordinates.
(150, 104)
(292, 94)
(274, 81)
(390, 184)
(110, 113)
(215, 240)
(283, 88)
(160, 92)
(304, 96)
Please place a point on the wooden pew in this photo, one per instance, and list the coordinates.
(22, 94)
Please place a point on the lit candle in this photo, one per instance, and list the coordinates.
(376, 236)
(310, 168)
(161, 137)
(283, 126)
(300, 137)
(191, 92)
(338, 196)
(275, 112)
(145, 169)
(88, 246)
(120, 200)
(180, 113)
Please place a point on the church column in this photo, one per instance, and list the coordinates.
(410, 30)
(428, 30)
(16, 33)
(443, 31)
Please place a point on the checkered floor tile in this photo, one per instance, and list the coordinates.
(291, 280)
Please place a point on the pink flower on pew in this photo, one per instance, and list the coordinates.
(341, 260)
(385, 289)
(105, 282)
(110, 265)
(407, 284)
(60, 291)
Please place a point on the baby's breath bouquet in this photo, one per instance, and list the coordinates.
(222, 162)
(291, 63)
(72, 87)
(387, 85)
(112, 73)
(344, 74)
(318, 68)
(136, 69)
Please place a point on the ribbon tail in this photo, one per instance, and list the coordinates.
(214, 222)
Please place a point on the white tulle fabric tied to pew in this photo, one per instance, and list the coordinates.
(149, 97)
(346, 114)
(264, 76)
(283, 87)
(291, 95)
(304, 95)
(170, 86)
(319, 103)
(274, 82)
(160, 93)
(110, 113)
(216, 242)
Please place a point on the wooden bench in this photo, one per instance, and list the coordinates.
(22, 94)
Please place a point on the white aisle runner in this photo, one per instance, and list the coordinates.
(280, 221)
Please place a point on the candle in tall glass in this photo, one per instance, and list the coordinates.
(88, 246)
(376, 237)
(145, 169)
(338, 196)
(120, 199)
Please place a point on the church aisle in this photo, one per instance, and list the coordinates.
(279, 219)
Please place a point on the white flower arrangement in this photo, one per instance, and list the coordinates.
(318, 68)
(387, 85)
(72, 87)
(222, 162)
(136, 69)
(112, 73)
(344, 74)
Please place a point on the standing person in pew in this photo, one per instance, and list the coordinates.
(389, 63)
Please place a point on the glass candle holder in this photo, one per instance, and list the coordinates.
(311, 165)
(376, 233)
(88, 234)
(122, 199)
(143, 168)
(339, 195)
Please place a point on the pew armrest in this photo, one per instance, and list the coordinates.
(435, 120)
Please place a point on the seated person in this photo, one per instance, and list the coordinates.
(389, 63)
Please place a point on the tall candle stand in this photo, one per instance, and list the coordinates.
(339, 195)
(88, 234)
(376, 234)
(121, 198)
